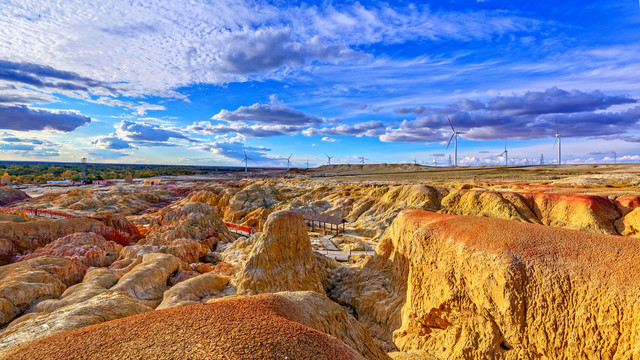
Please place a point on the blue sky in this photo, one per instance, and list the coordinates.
(201, 83)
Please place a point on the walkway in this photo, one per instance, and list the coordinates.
(39, 212)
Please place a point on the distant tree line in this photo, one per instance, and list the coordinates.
(41, 172)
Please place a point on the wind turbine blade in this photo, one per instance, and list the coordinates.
(451, 138)
(556, 126)
(555, 142)
(450, 124)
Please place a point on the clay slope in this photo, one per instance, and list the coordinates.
(256, 327)
(488, 288)
(18, 237)
(10, 195)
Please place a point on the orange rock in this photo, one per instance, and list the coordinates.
(257, 327)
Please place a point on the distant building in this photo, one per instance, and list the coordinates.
(100, 182)
(152, 182)
(59, 182)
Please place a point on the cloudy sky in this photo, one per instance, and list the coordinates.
(201, 82)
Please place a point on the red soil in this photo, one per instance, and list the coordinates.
(256, 327)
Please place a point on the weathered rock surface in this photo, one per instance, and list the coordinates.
(254, 327)
(25, 283)
(195, 290)
(147, 281)
(9, 195)
(190, 220)
(18, 237)
(581, 212)
(98, 309)
(281, 259)
(95, 282)
(88, 249)
(187, 250)
(480, 287)
(121, 199)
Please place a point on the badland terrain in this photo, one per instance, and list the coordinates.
(433, 263)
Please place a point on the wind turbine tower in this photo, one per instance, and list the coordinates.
(307, 164)
(615, 157)
(328, 159)
(506, 155)
(559, 141)
(289, 162)
(246, 162)
(541, 159)
(454, 134)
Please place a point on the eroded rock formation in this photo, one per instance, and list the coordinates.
(281, 259)
(480, 287)
(255, 327)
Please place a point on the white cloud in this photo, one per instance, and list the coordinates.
(156, 49)
(328, 139)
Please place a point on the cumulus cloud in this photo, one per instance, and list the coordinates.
(527, 116)
(260, 120)
(24, 118)
(328, 139)
(369, 128)
(416, 110)
(146, 133)
(270, 114)
(111, 142)
(252, 52)
(233, 148)
(42, 76)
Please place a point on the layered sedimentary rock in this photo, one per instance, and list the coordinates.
(19, 237)
(123, 200)
(25, 283)
(488, 288)
(9, 195)
(88, 249)
(281, 259)
(147, 281)
(255, 327)
(190, 220)
(97, 309)
(580, 212)
(195, 290)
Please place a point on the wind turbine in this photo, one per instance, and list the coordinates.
(245, 161)
(506, 155)
(527, 160)
(615, 157)
(328, 159)
(455, 145)
(362, 159)
(307, 164)
(289, 161)
(559, 141)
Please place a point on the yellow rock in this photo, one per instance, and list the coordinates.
(96, 310)
(147, 281)
(196, 290)
(281, 259)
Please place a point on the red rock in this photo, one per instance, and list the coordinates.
(256, 327)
